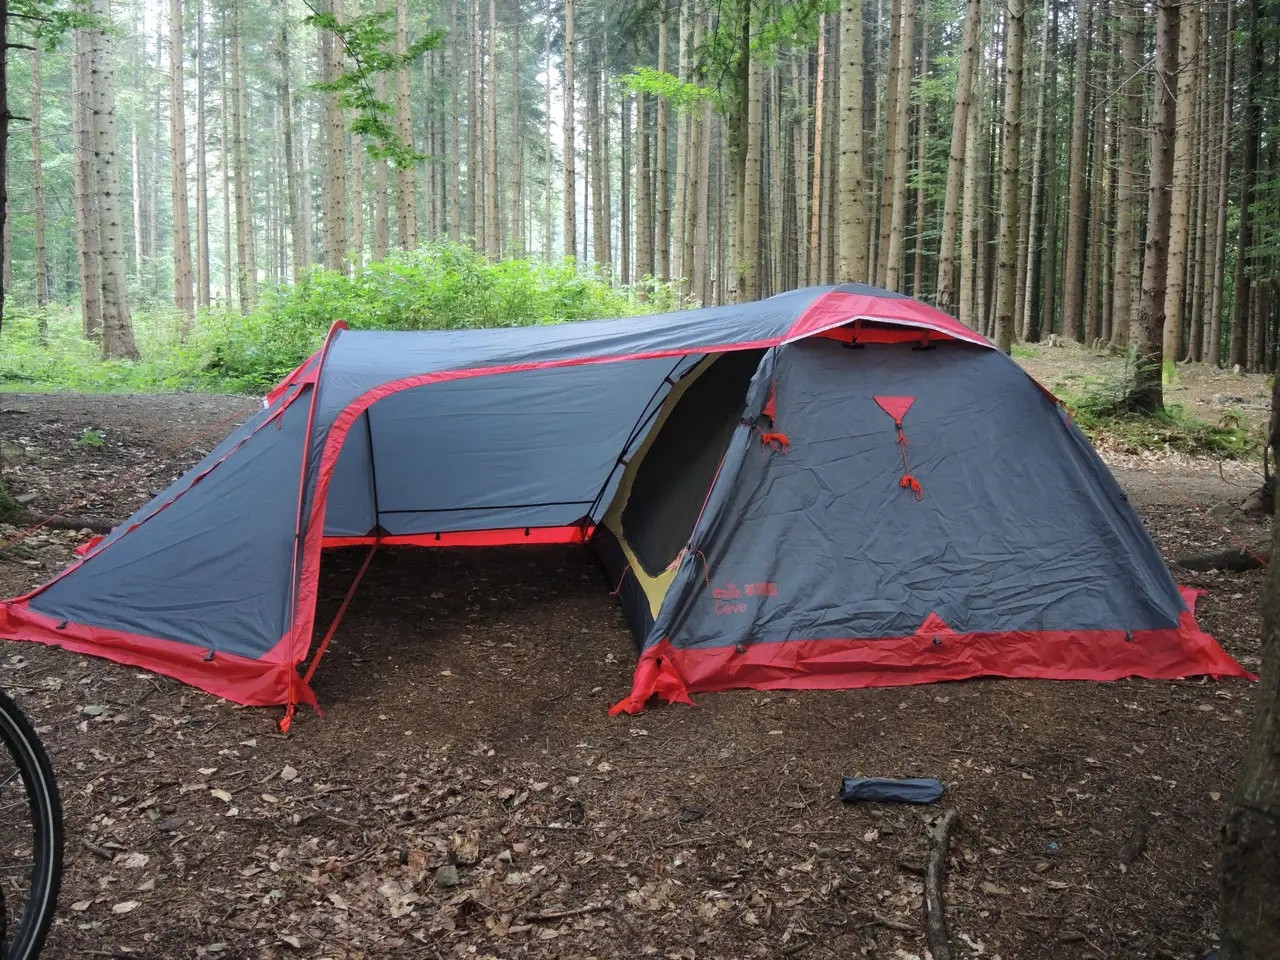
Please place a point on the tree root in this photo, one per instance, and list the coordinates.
(935, 911)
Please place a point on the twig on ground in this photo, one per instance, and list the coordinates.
(549, 915)
(935, 911)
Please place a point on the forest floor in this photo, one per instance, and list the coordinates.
(466, 794)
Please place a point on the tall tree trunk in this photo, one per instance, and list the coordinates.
(296, 236)
(475, 178)
(662, 170)
(335, 160)
(1252, 129)
(492, 230)
(203, 283)
(37, 174)
(800, 164)
(139, 204)
(356, 180)
(1214, 353)
(517, 145)
(749, 254)
(853, 210)
(1007, 256)
(599, 216)
(1097, 170)
(406, 186)
(817, 193)
(679, 246)
(89, 246)
(701, 235)
(183, 289)
(1130, 115)
(1145, 393)
(1180, 199)
(246, 259)
(922, 157)
(548, 163)
(970, 214)
(892, 256)
(117, 325)
(956, 170)
(644, 193)
(1030, 308)
(624, 184)
(1077, 183)
(453, 174)
(1200, 205)
(570, 179)
(889, 143)
(224, 89)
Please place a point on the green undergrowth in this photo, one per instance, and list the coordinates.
(439, 287)
(1099, 408)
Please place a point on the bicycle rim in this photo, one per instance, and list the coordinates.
(30, 835)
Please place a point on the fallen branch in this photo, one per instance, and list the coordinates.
(935, 911)
(1236, 561)
(71, 523)
(874, 919)
(566, 914)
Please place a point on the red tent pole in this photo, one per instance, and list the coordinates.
(346, 602)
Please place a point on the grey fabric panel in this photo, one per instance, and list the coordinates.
(1021, 526)
(530, 448)
(212, 569)
(350, 510)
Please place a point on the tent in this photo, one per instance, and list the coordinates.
(833, 487)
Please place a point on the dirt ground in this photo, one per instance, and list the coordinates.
(466, 795)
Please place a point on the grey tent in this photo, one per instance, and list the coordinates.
(834, 487)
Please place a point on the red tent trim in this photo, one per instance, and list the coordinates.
(830, 664)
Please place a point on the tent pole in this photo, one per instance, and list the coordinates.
(346, 602)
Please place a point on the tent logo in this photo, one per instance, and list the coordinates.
(729, 597)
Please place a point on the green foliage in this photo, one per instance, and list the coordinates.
(440, 287)
(369, 41)
(91, 437)
(1099, 408)
(677, 92)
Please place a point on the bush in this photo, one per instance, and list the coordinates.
(443, 286)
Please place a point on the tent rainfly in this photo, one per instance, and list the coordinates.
(835, 487)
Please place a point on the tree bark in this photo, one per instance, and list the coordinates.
(37, 175)
(1214, 353)
(406, 184)
(117, 325)
(492, 231)
(644, 194)
(517, 146)
(817, 193)
(1077, 184)
(893, 255)
(1145, 394)
(1130, 110)
(570, 179)
(1248, 177)
(1007, 256)
(956, 169)
(749, 254)
(183, 285)
(548, 162)
(1030, 308)
(851, 200)
(1180, 199)
(680, 243)
(246, 259)
(970, 216)
(662, 170)
(922, 159)
(203, 283)
(89, 247)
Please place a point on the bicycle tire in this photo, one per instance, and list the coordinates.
(30, 928)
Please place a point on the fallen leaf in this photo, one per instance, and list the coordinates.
(222, 795)
(288, 773)
(125, 906)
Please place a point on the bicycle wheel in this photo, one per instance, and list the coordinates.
(30, 837)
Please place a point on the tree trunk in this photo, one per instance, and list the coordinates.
(548, 163)
(1251, 831)
(117, 325)
(956, 170)
(970, 215)
(1007, 256)
(492, 231)
(1145, 394)
(800, 165)
(406, 186)
(1200, 203)
(570, 180)
(246, 259)
(624, 184)
(1214, 353)
(890, 139)
(356, 180)
(1252, 128)
(183, 288)
(1077, 184)
(893, 255)
(749, 253)
(1029, 316)
(817, 193)
(644, 194)
(681, 241)
(1130, 111)
(662, 169)
(37, 173)
(599, 216)
(454, 173)
(1180, 199)
(203, 283)
(1096, 171)
(851, 201)
(89, 246)
(517, 145)
(922, 156)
